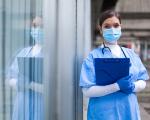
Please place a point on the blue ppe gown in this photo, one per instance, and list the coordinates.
(118, 105)
(28, 104)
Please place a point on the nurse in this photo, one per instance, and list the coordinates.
(117, 101)
(29, 99)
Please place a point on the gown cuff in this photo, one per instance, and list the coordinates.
(139, 85)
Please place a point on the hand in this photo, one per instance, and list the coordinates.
(12, 83)
(126, 84)
(36, 87)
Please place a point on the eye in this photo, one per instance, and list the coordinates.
(107, 26)
(116, 25)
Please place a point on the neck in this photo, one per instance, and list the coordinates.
(111, 45)
(115, 49)
(107, 43)
(37, 46)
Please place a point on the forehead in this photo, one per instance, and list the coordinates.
(111, 20)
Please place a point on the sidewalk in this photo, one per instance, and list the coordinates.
(144, 100)
(144, 113)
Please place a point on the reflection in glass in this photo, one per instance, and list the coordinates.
(26, 74)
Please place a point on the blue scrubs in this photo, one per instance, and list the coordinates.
(28, 103)
(118, 105)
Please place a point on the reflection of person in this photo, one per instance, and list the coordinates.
(29, 101)
(117, 101)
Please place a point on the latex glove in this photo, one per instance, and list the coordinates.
(126, 84)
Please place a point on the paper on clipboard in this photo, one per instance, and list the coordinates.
(31, 68)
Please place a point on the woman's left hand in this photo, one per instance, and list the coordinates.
(36, 87)
(126, 84)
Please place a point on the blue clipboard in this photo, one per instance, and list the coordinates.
(31, 68)
(109, 70)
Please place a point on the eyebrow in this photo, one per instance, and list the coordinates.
(113, 23)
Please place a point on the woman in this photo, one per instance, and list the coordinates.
(117, 101)
(29, 99)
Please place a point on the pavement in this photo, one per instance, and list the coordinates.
(144, 102)
(144, 114)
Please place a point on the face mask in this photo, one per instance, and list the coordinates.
(37, 34)
(111, 35)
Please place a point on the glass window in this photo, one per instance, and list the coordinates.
(29, 30)
(21, 63)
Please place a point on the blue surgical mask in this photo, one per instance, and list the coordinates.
(37, 34)
(111, 35)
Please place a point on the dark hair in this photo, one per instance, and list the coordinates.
(108, 14)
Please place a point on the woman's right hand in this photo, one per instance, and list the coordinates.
(126, 84)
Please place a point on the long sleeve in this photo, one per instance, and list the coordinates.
(139, 85)
(12, 74)
(98, 91)
(13, 70)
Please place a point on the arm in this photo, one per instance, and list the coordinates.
(98, 91)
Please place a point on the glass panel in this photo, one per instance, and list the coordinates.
(21, 60)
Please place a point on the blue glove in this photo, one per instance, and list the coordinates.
(126, 84)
